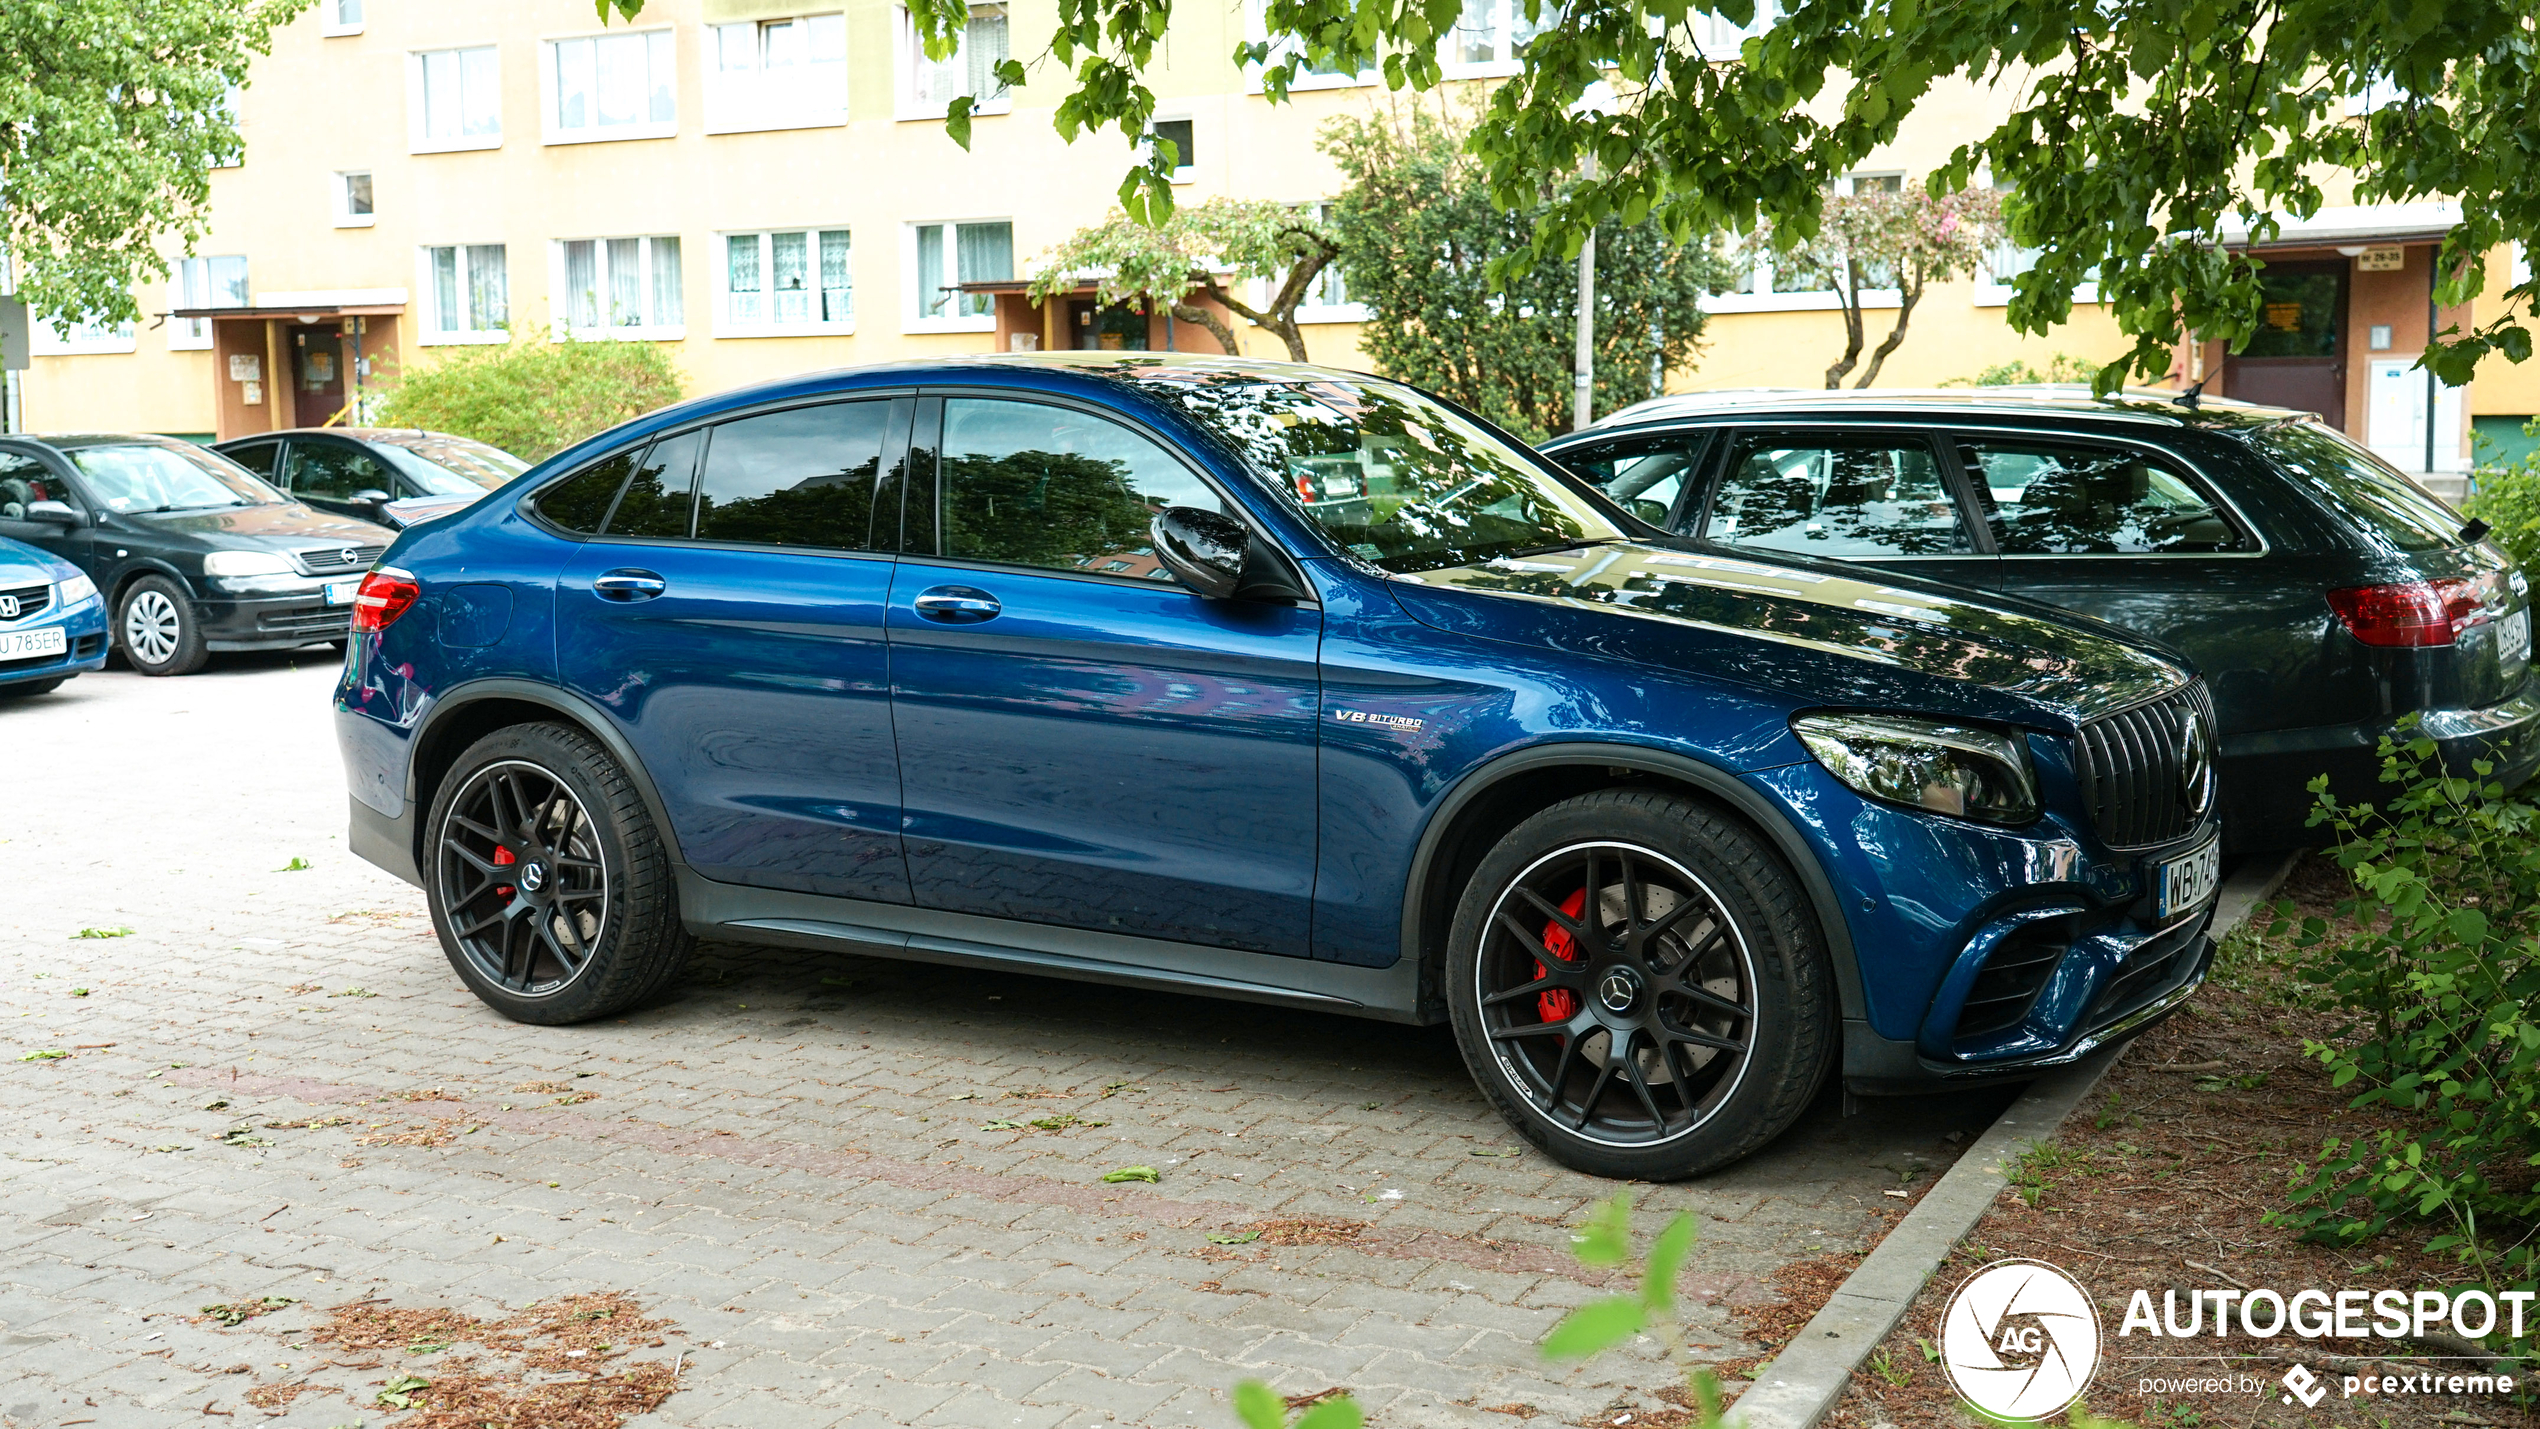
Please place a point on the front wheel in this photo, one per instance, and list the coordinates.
(1639, 985)
(548, 883)
(159, 630)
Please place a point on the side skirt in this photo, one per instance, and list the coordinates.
(739, 913)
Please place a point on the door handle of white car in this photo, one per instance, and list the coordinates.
(956, 605)
(628, 584)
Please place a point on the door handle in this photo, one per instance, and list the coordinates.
(628, 584)
(956, 605)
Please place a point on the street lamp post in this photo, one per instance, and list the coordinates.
(1599, 95)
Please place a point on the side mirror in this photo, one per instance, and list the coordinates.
(370, 496)
(1215, 555)
(57, 513)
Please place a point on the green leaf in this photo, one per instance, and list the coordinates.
(1132, 1173)
(1338, 1412)
(1594, 1328)
(1233, 1237)
(1666, 1257)
(1605, 1237)
(1259, 1406)
(957, 121)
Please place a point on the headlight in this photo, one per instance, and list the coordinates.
(245, 563)
(1947, 768)
(75, 590)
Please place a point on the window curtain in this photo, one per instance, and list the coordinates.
(581, 285)
(987, 254)
(626, 282)
(790, 265)
(837, 286)
(489, 288)
(668, 310)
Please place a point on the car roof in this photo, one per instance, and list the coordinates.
(2133, 407)
(367, 434)
(1121, 371)
(69, 441)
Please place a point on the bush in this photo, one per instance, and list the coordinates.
(531, 397)
(2062, 367)
(2506, 495)
(2438, 964)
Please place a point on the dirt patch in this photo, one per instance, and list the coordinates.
(440, 1132)
(1308, 1230)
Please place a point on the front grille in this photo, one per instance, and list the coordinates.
(2014, 973)
(27, 600)
(337, 560)
(88, 647)
(2153, 969)
(317, 620)
(2129, 764)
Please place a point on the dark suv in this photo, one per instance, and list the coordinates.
(2322, 594)
(1086, 665)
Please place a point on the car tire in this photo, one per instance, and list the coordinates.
(31, 688)
(591, 925)
(158, 630)
(1717, 985)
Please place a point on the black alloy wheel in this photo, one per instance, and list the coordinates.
(1640, 985)
(548, 881)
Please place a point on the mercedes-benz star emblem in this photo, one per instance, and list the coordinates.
(1618, 989)
(532, 877)
(2196, 769)
(8, 607)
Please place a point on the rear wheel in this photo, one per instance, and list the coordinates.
(548, 882)
(158, 629)
(1640, 987)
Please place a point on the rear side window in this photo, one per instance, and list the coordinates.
(2048, 499)
(580, 502)
(660, 496)
(257, 458)
(1838, 497)
(2384, 505)
(801, 477)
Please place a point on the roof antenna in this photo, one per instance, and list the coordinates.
(2193, 396)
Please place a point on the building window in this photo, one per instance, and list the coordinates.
(236, 153)
(1285, 47)
(467, 293)
(620, 287)
(620, 86)
(1177, 132)
(1489, 36)
(340, 17)
(85, 339)
(1328, 300)
(933, 85)
(454, 100)
(777, 74)
(205, 283)
(353, 199)
(947, 255)
(1717, 39)
(789, 283)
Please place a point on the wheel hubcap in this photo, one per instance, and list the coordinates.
(522, 878)
(1617, 994)
(150, 627)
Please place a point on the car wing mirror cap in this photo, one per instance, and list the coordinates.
(1217, 556)
(57, 512)
(370, 496)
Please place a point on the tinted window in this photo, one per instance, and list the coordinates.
(1644, 476)
(333, 470)
(800, 477)
(2383, 504)
(1034, 485)
(257, 458)
(581, 501)
(1837, 498)
(2055, 500)
(658, 496)
(23, 482)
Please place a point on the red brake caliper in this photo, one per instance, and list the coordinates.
(1560, 1004)
(504, 855)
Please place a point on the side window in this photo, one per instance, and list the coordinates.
(23, 482)
(1032, 485)
(1841, 497)
(258, 459)
(659, 496)
(2054, 500)
(580, 502)
(800, 477)
(1645, 477)
(328, 470)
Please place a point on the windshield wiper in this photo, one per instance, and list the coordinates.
(199, 506)
(1582, 542)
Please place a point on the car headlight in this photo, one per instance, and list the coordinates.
(245, 563)
(1923, 764)
(75, 590)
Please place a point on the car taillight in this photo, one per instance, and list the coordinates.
(2411, 613)
(384, 596)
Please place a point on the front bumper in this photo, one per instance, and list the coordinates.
(84, 648)
(2266, 775)
(273, 621)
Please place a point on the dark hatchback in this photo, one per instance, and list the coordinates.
(2322, 593)
(193, 553)
(1047, 665)
(395, 476)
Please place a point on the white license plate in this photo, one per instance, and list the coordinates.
(2513, 638)
(33, 644)
(2190, 880)
(342, 592)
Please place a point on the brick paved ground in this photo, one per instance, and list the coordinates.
(787, 1160)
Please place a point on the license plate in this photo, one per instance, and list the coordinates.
(2513, 638)
(2190, 880)
(342, 592)
(34, 644)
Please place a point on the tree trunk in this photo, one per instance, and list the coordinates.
(1850, 293)
(1215, 324)
(1895, 336)
(1279, 318)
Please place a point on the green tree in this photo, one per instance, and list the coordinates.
(1898, 242)
(531, 397)
(1192, 250)
(1419, 233)
(112, 113)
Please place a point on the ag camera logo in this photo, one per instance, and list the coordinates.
(2020, 1340)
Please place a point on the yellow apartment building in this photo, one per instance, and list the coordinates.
(765, 186)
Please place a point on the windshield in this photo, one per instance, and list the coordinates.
(171, 478)
(1396, 478)
(451, 466)
(2351, 480)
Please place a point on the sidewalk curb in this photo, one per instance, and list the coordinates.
(1809, 1376)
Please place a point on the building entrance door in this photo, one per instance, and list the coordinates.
(2298, 357)
(317, 373)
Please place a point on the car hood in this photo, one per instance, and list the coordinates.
(1821, 632)
(23, 565)
(287, 526)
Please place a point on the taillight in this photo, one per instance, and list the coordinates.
(1305, 488)
(2411, 613)
(385, 594)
